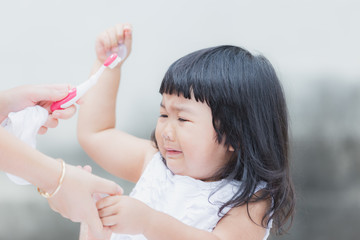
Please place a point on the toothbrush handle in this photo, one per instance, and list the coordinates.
(57, 105)
(72, 97)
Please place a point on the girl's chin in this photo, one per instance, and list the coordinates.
(174, 166)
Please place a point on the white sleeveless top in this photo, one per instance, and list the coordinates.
(187, 199)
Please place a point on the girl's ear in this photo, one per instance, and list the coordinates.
(231, 149)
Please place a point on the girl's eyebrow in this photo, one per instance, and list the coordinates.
(178, 108)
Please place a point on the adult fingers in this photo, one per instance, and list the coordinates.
(51, 122)
(87, 168)
(42, 130)
(65, 113)
(109, 221)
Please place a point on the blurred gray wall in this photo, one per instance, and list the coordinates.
(312, 44)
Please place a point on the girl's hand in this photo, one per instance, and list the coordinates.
(110, 39)
(16, 99)
(123, 214)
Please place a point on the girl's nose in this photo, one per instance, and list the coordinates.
(168, 133)
(165, 136)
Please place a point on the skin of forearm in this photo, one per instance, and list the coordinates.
(161, 226)
(20, 159)
(97, 111)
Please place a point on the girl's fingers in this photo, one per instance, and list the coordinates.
(112, 37)
(128, 37)
(120, 33)
(106, 41)
(109, 221)
(108, 211)
(100, 48)
(107, 202)
(109, 40)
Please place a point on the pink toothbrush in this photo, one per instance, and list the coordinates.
(77, 92)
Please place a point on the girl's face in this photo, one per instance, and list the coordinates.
(186, 138)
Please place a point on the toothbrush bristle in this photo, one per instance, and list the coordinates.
(115, 62)
(110, 59)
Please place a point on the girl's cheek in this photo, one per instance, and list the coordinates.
(158, 136)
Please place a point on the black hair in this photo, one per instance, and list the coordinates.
(249, 113)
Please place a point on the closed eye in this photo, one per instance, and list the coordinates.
(163, 116)
(183, 120)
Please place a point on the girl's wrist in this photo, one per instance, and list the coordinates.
(98, 63)
(149, 221)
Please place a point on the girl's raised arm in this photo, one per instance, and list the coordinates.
(117, 152)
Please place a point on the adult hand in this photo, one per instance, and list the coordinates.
(75, 198)
(18, 98)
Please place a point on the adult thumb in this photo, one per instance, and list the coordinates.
(107, 187)
(51, 92)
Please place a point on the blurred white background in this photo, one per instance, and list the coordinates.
(313, 45)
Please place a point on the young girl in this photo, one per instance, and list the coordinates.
(217, 167)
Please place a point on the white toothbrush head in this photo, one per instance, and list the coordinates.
(112, 61)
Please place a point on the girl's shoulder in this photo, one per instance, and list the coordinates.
(151, 157)
(154, 162)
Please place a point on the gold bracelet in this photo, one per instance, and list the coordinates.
(49, 195)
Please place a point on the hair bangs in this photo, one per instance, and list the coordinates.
(188, 77)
